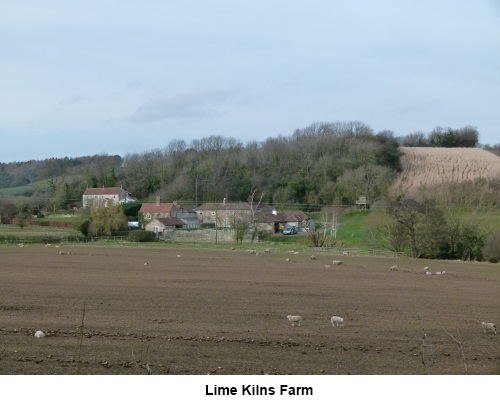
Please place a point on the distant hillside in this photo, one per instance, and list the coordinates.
(424, 166)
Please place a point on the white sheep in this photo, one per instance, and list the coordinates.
(489, 326)
(39, 334)
(337, 262)
(345, 253)
(287, 259)
(429, 273)
(336, 320)
(267, 250)
(313, 257)
(295, 319)
(253, 252)
(426, 268)
(145, 264)
(178, 256)
(438, 273)
(394, 268)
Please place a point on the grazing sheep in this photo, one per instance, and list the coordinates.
(443, 272)
(295, 253)
(345, 253)
(294, 319)
(145, 264)
(336, 320)
(337, 262)
(39, 334)
(429, 273)
(253, 252)
(426, 268)
(394, 268)
(438, 273)
(178, 256)
(267, 250)
(287, 259)
(313, 257)
(489, 326)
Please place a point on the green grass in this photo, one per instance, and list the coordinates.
(24, 191)
(488, 219)
(55, 218)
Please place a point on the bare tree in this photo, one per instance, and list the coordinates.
(255, 207)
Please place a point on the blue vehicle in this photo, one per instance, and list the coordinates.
(290, 230)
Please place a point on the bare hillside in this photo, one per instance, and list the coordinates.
(430, 166)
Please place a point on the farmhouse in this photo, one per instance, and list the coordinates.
(106, 196)
(223, 214)
(159, 210)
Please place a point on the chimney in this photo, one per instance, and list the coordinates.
(224, 201)
(275, 212)
(158, 199)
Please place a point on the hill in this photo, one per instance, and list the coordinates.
(424, 166)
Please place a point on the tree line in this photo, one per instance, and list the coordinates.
(321, 164)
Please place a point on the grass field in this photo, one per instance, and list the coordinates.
(221, 311)
(21, 191)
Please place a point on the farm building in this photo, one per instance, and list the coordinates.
(223, 214)
(158, 210)
(296, 218)
(106, 196)
(160, 225)
(272, 222)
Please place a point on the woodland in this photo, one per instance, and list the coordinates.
(322, 164)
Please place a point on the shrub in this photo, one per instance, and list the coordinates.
(141, 236)
(492, 247)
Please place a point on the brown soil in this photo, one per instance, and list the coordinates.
(224, 312)
(432, 166)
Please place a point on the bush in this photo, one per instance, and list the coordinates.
(492, 247)
(141, 236)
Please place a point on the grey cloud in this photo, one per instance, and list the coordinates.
(184, 106)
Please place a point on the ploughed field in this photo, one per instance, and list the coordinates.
(225, 312)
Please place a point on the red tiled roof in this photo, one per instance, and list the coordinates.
(154, 208)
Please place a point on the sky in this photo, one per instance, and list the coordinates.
(117, 77)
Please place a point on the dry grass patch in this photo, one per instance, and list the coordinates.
(423, 166)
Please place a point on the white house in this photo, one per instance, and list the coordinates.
(106, 196)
